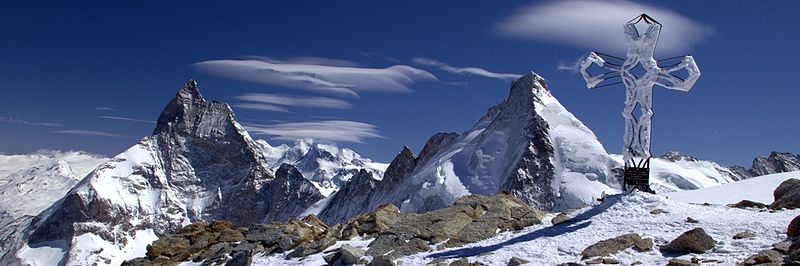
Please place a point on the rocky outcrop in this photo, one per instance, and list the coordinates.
(617, 244)
(471, 219)
(692, 241)
(776, 162)
(746, 204)
(787, 195)
(793, 230)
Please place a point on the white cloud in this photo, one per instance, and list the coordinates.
(262, 107)
(24, 122)
(90, 133)
(274, 102)
(333, 130)
(104, 108)
(598, 25)
(312, 74)
(127, 119)
(464, 70)
(573, 66)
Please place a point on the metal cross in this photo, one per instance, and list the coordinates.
(639, 73)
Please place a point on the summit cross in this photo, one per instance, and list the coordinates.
(639, 72)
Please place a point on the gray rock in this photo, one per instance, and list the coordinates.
(514, 261)
(692, 220)
(692, 241)
(332, 257)
(681, 262)
(610, 246)
(765, 257)
(242, 258)
(787, 195)
(559, 218)
(745, 234)
(350, 255)
(643, 245)
(782, 247)
(746, 204)
(398, 246)
(658, 211)
(382, 260)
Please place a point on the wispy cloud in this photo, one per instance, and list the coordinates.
(275, 102)
(127, 119)
(573, 66)
(316, 76)
(90, 133)
(6, 119)
(464, 70)
(104, 108)
(598, 25)
(333, 130)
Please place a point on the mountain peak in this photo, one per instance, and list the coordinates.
(189, 91)
(189, 112)
(527, 85)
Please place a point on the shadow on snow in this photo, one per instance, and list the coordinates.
(577, 223)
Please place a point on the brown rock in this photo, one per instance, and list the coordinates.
(658, 211)
(745, 234)
(794, 227)
(175, 248)
(610, 246)
(382, 260)
(692, 241)
(746, 204)
(787, 195)
(514, 261)
(219, 225)
(643, 245)
(765, 257)
(559, 218)
(230, 235)
(680, 262)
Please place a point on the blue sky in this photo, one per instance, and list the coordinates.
(379, 75)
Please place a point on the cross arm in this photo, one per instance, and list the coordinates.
(668, 80)
(593, 80)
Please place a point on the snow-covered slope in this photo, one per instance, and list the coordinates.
(32, 182)
(529, 145)
(759, 189)
(548, 244)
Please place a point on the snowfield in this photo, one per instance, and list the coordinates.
(546, 244)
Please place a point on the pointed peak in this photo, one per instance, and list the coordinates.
(526, 86)
(406, 152)
(189, 91)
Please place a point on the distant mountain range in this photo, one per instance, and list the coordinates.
(201, 164)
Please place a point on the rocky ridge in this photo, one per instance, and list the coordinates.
(775, 162)
(470, 219)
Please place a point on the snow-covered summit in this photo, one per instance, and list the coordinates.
(529, 145)
(199, 164)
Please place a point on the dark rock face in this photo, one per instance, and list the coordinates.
(692, 241)
(787, 195)
(435, 144)
(765, 257)
(348, 201)
(290, 194)
(776, 162)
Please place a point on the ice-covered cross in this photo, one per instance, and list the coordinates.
(639, 72)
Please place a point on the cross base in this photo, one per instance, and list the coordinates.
(638, 178)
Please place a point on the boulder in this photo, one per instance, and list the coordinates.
(793, 230)
(350, 255)
(514, 261)
(681, 262)
(241, 258)
(692, 220)
(745, 234)
(382, 260)
(610, 246)
(692, 241)
(787, 195)
(765, 257)
(658, 211)
(745, 204)
(230, 235)
(398, 246)
(559, 218)
(175, 248)
(643, 245)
